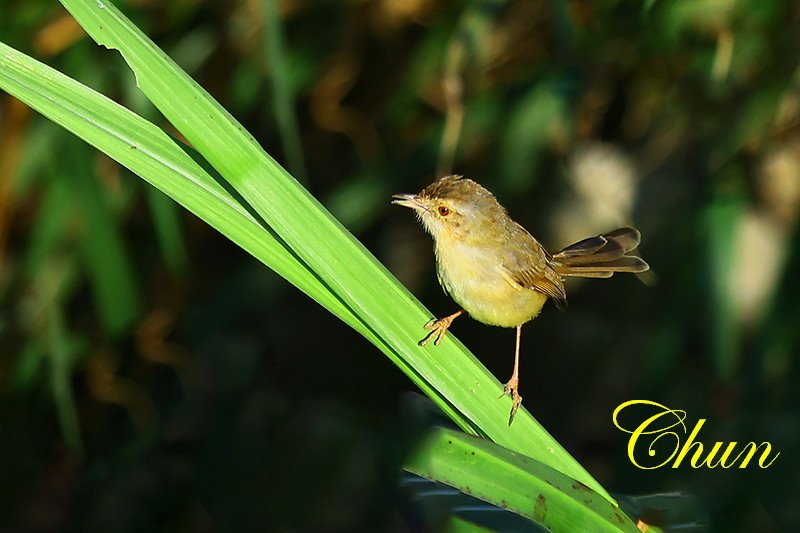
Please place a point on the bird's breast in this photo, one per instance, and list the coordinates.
(474, 277)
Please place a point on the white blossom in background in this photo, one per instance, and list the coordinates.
(604, 179)
(763, 232)
(758, 257)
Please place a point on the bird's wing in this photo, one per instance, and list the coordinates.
(527, 266)
(544, 280)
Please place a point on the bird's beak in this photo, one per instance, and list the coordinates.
(408, 200)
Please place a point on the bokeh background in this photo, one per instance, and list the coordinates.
(152, 375)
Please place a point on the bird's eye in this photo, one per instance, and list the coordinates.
(444, 210)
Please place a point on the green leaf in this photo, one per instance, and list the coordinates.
(459, 525)
(515, 482)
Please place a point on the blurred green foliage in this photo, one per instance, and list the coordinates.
(153, 375)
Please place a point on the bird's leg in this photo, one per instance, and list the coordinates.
(438, 328)
(512, 387)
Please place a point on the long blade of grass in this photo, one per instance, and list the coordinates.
(152, 154)
(303, 224)
(517, 483)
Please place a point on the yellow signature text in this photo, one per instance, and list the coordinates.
(663, 440)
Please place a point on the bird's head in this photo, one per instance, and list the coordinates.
(453, 207)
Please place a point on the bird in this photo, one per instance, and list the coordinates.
(495, 270)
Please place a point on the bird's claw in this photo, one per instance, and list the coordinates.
(431, 324)
(511, 389)
(437, 327)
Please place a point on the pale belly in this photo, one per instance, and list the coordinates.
(477, 283)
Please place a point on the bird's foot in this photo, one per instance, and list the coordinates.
(438, 329)
(512, 389)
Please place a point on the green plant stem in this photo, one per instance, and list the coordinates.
(60, 379)
(283, 105)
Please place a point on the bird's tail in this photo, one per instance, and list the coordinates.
(601, 256)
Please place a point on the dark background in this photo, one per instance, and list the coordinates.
(152, 375)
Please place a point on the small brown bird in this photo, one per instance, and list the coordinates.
(495, 270)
